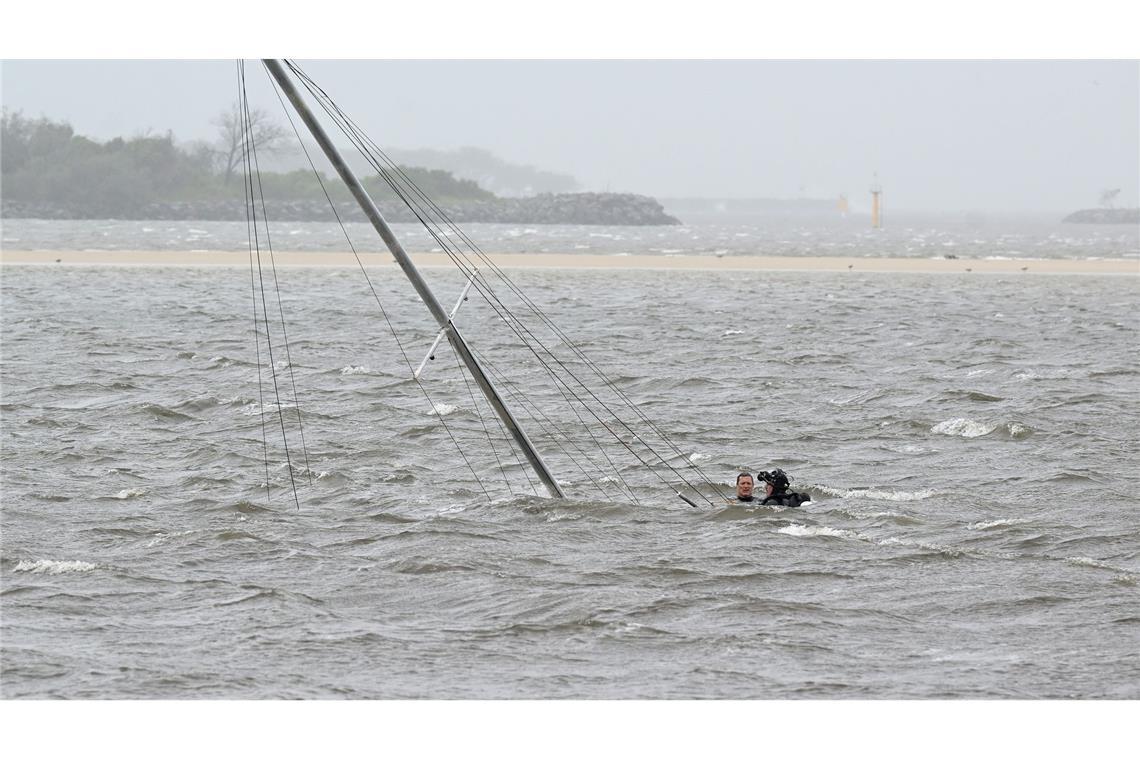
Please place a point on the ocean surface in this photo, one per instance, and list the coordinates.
(964, 236)
(971, 444)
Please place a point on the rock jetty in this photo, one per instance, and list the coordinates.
(562, 208)
(1104, 216)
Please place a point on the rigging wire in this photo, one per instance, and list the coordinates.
(375, 294)
(565, 339)
(483, 422)
(551, 429)
(407, 190)
(256, 329)
(368, 148)
(247, 139)
(277, 288)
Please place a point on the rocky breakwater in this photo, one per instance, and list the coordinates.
(563, 208)
(1104, 216)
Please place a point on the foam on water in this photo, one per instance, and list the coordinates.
(943, 549)
(860, 515)
(1100, 564)
(53, 566)
(1123, 575)
(161, 537)
(963, 427)
(996, 523)
(1017, 430)
(875, 494)
(796, 529)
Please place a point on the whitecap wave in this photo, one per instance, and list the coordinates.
(357, 370)
(949, 551)
(129, 493)
(52, 566)
(860, 515)
(1017, 430)
(1090, 562)
(442, 410)
(253, 409)
(996, 523)
(795, 529)
(856, 493)
(963, 427)
(161, 538)
(1123, 575)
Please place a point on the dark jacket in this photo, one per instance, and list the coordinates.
(786, 499)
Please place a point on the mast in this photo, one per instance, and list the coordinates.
(434, 306)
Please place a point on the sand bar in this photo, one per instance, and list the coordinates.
(593, 261)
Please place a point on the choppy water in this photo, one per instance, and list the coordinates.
(971, 443)
(911, 237)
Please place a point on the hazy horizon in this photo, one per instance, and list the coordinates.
(943, 136)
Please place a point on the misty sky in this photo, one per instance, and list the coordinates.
(944, 136)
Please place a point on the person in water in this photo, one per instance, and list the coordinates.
(744, 485)
(776, 490)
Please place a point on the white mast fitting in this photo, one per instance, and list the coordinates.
(439, 335)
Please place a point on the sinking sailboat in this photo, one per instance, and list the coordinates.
(608, 431)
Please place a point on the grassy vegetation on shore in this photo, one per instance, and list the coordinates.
(46, 162)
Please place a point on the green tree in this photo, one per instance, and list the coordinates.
(45, 162)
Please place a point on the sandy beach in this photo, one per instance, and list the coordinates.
(594, 261)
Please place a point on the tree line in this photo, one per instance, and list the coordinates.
(45, 161)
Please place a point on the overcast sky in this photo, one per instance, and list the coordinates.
(943, 136)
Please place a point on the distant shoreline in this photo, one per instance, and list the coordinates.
(592, 261)
(1104, 216)
(626, 209)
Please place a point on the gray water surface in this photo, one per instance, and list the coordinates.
(970, 443)
(914, 236)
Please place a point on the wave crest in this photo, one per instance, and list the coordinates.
(996, 523)
(963, 428)
(796, 529)
(870, 493)
(52, 566)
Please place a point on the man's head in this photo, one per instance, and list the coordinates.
(744, 485)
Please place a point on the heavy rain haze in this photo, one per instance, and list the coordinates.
(224, 477)
(991, 136)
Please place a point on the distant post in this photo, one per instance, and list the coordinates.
(876, 204)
